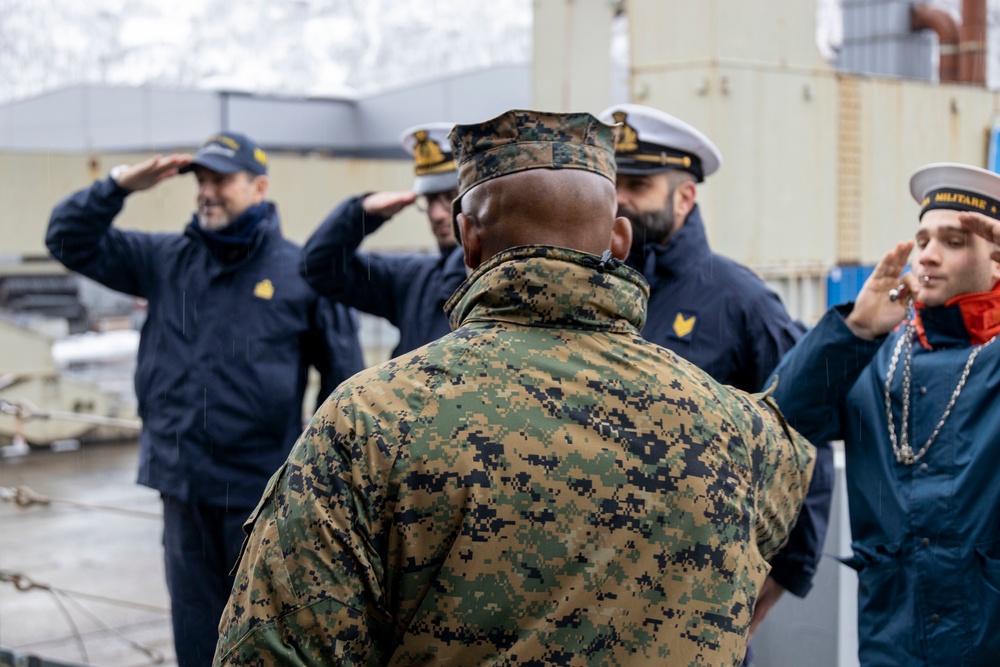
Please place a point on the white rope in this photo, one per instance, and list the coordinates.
(27, 411)
(24, 584)
(23, 496)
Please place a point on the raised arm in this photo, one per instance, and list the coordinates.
(814, 377)
(334, 267)
(80, 234)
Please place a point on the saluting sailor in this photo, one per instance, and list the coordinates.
(912, 386)
(224, 357)
(710, 310)
(407, 289)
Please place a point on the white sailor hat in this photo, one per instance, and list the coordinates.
(652, 141)
(434, 164)
(957, 187)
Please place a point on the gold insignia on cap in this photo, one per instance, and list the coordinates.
(684, 325)
(225, 140)
(628, 138)
(264, 289)
(260, 156)
(960, 198)
(664, 159)
(429, 157)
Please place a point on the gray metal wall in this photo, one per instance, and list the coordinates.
(107, 119)
(463, 98)
(878, 40)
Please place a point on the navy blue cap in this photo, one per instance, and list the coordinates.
(229, 152)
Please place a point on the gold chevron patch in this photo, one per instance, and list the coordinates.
(265, 290)
(683, 326)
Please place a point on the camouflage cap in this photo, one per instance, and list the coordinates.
(518, 140)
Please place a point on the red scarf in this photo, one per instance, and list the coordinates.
(980, 313)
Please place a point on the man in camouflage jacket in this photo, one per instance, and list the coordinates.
(542, 485)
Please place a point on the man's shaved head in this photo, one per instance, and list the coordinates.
(570, 208)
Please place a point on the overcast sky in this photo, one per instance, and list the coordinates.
(308, 47)
(300, 47)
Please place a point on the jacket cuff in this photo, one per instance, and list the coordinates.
(356, 210)
(108, 187)
(792, 576)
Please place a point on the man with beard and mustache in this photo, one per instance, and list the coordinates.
(407, 289)
(708, 309)
(230, 334)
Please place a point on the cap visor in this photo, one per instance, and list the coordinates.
(434, 183)
(639, 170)
(216, 163)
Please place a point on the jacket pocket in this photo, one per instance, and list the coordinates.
(985, 589)
(248, 525)
(882, 593)
(879, 577)
(988, 557)
(870, 555)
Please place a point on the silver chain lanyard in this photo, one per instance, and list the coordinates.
(902, 450)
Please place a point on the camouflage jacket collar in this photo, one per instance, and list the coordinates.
(551, 287)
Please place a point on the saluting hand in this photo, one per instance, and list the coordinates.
(875, 314)
(146, 174)
(984, 226)
(387, 204)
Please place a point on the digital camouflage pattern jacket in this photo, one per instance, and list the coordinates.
(541, 486)
(720, 316)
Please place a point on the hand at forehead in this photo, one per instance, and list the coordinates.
(983, 226)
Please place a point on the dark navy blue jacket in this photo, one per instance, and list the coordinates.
(224, 352)
(409, 290)
(926, 537)
(720, 316)
(717, 314)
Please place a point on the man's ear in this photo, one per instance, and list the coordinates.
(469, 235)
(259, 188)
(621, 238)
(684, 199)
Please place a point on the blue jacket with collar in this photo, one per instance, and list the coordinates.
(225, 349)
(409, 290)
(720, 316)
(717, 314)
(926, 537)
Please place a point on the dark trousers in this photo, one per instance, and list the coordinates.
(200, 547)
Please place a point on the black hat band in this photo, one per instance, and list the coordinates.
(954, 199)
(655, 158)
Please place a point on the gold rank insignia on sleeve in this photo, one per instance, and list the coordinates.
(265, 290)
(683, 326)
